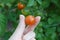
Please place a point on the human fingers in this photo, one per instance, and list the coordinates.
(32, 27)
(32, 39)
(29, 35)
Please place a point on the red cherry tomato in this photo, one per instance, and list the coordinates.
(20, 6)
(30, 20)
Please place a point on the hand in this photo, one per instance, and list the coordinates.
(24, 33)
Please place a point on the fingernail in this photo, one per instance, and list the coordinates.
(22, 17)
(38, 17)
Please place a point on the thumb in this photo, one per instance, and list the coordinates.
(19, 30)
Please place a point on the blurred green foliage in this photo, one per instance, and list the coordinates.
(49, 10)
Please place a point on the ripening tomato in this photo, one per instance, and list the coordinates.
(20, 6)
(30, 20)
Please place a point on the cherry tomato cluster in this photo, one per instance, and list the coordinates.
(30, 20)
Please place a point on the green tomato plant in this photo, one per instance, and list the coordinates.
(49, 10)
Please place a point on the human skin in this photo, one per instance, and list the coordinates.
(24, 33)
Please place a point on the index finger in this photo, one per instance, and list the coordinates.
(32, 27)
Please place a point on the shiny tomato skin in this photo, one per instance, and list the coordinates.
(20, 6)
(30, 20)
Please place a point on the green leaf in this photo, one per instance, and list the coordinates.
(7, 35)
(39, 36)
(7, 1)
(58, 29)
(12, 16)
(50, 21)
(3, 23)
(50, 31)
(30, 3)
(56, 2)
(53, 36)
(45, 4)
(39, 1)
